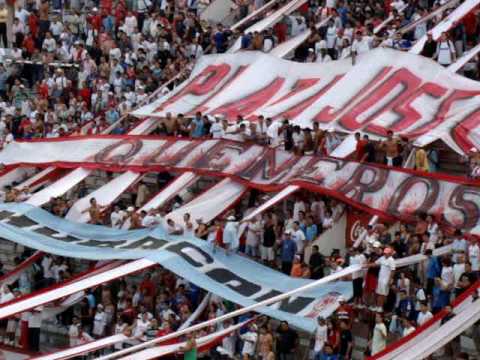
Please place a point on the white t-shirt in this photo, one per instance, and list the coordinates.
(320, 337)
(387, 265)
(99, 323)
(458, 270)
(361, 46)
(422, 318)
(473, 255)
(445, 52)
(299, 237)
(151, 220)
(447, 276)
(297, 207)
(116, 219)
(249, 343)
(379, 340)
(46, 266)
(216, 130)
(359, 259)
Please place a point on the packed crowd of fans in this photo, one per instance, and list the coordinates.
(89, 66)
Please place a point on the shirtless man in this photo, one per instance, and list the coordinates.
(95, 212)
(135, 218)
(265, 344)
(171, 125)
(391, 146)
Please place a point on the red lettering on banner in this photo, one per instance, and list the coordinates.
(432, 190)
(461, 131)
(202, 108)
(355, 188)
(310, 169)
(202, 84)
(211, 160)
(328, 113)
(251, 102)
(266, 166)
(297, 109)
(442, 112)
(161, 157)
(300, 85)
(402, 77)
(469, 208)
(407, 114)
(132, 145)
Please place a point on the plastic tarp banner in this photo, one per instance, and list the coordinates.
(388, 192)
(386, 90)
(203, 343)
(211, 203)
(232, 276)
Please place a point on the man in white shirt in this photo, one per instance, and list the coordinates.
(424, 315)
(474, 255)
(117, 217)
(387, 267)
(216, 129)
(446, 53)
(360, 45)
(173, 229)
(151, 218)
(299, 237)
(230, 234)
(320, 336)
(459, 245)
(249, 341)
(357, 258)
(49, 44)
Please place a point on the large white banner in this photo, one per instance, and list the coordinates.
(386, 89)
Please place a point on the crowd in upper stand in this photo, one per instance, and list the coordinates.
(91, 63)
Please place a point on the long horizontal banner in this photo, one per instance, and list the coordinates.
(233, 277)
(386, 89)
(389, 192)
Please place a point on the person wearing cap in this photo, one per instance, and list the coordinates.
(229, 236)
(320, 337)
(387, 267)
(289, 250)
(99, 322)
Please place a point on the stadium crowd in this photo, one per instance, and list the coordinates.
(91, 64)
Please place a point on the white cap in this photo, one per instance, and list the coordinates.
(131, 209)
(231, 218)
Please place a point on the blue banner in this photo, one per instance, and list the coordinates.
(233, 277)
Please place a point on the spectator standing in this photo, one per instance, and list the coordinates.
(287, 341)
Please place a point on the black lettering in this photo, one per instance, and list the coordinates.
(21, 221)
(148, 243)
(225, 276)
(180, 247)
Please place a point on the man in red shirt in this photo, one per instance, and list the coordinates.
(360, 147)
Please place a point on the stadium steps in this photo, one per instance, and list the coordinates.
(449, 161)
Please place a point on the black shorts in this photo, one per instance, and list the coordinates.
(358, 287)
